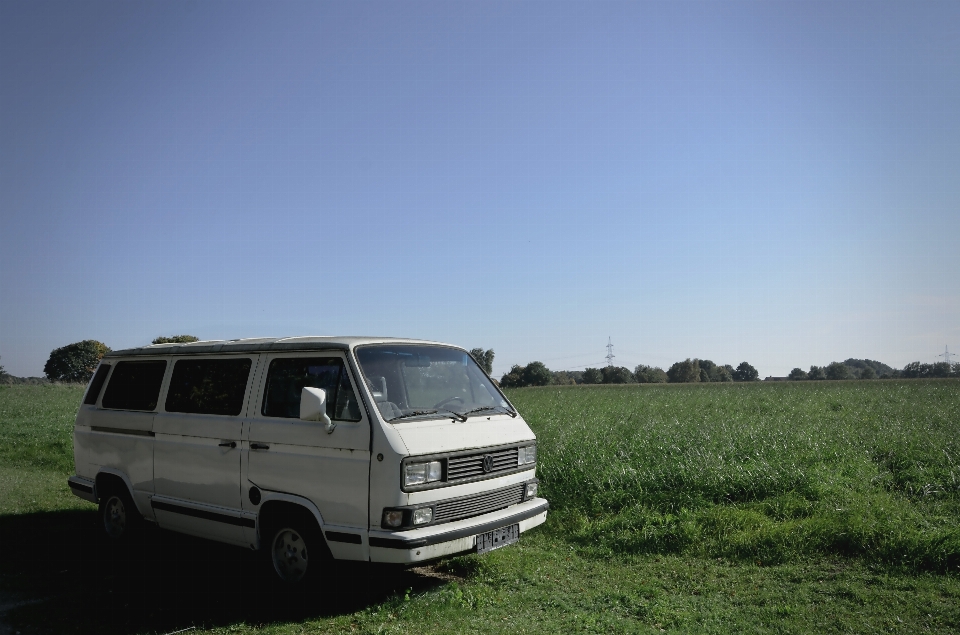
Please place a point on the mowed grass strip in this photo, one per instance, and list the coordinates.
(765, 472)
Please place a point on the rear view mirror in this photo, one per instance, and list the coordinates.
(417, 361)
(313, 407)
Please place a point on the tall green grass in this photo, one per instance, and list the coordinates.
(755, 471)
(750, 471)
(36, 426)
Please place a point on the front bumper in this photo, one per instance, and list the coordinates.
(430, 543)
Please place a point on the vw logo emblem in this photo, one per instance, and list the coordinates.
(487, 463)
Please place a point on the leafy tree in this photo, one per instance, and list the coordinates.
(706, 368)
(536, 374)
(687, 371)
(797, 374)
(911, 370)
(592, 376)
(745, 372)
(616, 375)
(714, 372)
(75, 362)
(649, 375)
(566, 378)
(916, 370)
(533, 374)
(721, 373)
(2, 371)
(175, 339)
(868, 373)
(857, 366)
(838, 370)
(484, 358)
(816, 373)
(940, 369)
(514, 378)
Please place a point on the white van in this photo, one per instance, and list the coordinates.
(352, 448)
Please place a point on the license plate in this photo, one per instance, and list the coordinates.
(498, 538)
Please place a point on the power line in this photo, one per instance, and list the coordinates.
(610, 354)
(579, 366)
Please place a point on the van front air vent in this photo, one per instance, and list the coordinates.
(474, 465)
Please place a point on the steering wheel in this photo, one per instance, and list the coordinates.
(448, 400)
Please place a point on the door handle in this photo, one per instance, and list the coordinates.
(228, 444)
(259, 446)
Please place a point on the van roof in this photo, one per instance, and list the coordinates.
(261, 344)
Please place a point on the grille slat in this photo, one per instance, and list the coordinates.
(447, 511)
(471, 465)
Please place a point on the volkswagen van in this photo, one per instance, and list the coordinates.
(308, 449)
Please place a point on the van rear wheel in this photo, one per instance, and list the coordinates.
(119, 517)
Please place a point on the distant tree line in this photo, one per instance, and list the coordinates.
(687, 371)
(705, 370)
(872, 369)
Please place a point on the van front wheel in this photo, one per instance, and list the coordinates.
(296, 552)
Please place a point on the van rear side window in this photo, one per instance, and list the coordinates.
(96, 385)
(134, 385)
(208, 386)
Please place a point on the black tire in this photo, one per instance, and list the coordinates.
(296, 551)
(119, 518)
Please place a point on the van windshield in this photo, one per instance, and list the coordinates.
(412, 381)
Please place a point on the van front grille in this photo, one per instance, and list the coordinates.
(472, 465)
(457, 508)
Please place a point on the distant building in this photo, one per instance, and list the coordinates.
(771, 378)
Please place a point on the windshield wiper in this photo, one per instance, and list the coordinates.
(456, 415)
(415, 413)
(486, 408)
(420, 413)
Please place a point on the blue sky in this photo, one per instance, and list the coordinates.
(773, 182)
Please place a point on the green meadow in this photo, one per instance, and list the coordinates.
(770, 508)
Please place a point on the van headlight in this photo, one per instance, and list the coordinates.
(420, 473)
(527, 454)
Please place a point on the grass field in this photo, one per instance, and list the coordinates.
(780, 508)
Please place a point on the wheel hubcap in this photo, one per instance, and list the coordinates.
(115, 517)
(289, 555)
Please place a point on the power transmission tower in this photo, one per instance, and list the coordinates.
(610, 354)
(946, 354)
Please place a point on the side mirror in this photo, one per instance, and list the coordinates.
(313, 407)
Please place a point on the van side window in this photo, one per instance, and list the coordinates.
(208, 386)
(134, 385)
(96, 385)
(287, 377)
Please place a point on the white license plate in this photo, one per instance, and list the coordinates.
(498, 538)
